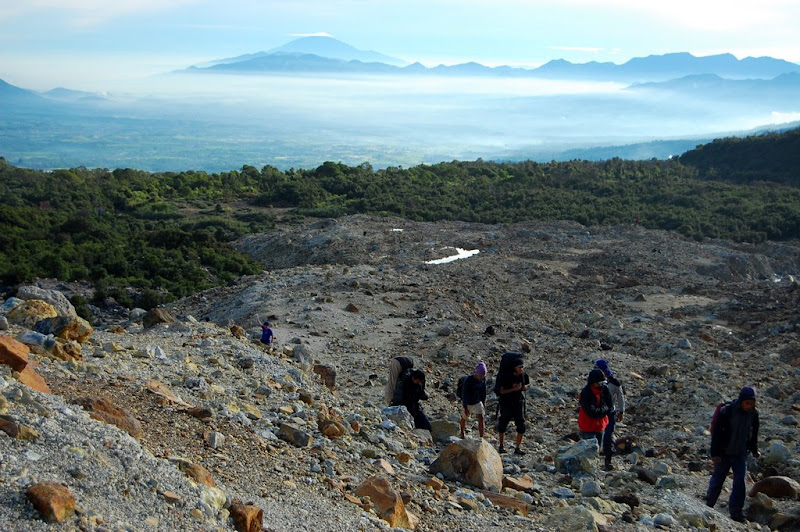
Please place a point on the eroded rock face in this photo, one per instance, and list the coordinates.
(473, 461)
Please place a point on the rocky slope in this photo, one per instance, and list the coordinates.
(684, 324)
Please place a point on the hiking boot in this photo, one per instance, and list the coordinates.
(739, 518)
(608, 467)
(501, 450)
(519, 452)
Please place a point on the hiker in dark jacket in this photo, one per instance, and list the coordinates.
(618, 401)
(412, 384)
(512, 406)
(734, 434)
(595, 406)
(473, 399)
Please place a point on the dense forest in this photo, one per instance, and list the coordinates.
(147, 238)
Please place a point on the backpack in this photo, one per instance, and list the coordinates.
(395, 370)
(715, 416)
(506, 367)
(397, 396)
(460, 386)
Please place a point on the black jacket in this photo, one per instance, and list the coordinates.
(723, 431)
(409, 394)
(587, 402)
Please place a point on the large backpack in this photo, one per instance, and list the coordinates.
(397, 396)
(397, 366)
(507, 364)
(460, 386)
(715, 416)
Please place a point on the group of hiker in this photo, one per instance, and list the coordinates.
(601, 405)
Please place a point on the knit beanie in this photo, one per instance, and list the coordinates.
(747, 393)
(602, 365)
(480, 369)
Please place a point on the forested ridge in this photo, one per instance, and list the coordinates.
(147, 238)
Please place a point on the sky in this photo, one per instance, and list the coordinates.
(94, 44)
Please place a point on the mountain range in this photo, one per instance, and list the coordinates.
(295, 106)
(329, 55)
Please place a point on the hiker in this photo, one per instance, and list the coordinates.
(618, 402)
(512, 405)
(266, 332)
(396, 367)
(411, 390)
(595, 406)
(734, 433)
(473, 399)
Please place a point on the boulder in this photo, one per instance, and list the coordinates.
(28, 313)
(13, 353)
(576, 458)
(247, 518)
(52, 500)
(103, 409)
(473, 462)
(55, 298)
(156, 316)
(295, 435)
(387, 502)
(777, 487)
(327, 374)
(30, 378)
(65, 327)
(442, 430)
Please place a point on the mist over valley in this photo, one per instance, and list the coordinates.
(208, 119)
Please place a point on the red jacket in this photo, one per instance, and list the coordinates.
(594, 410)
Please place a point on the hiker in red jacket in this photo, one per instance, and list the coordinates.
(595, 406)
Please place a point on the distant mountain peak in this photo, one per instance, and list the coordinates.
(332, 48)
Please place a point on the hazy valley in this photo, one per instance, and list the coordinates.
(286, 110)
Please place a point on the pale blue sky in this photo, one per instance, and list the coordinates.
(94, 44)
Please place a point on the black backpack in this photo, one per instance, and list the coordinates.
(460, 386)
(507, 364)
(397, 396)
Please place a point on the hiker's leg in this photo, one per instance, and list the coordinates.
(519, 422)
(481, 426)
(421, 421)
(736, 500)
(721, 469)
(608, 436)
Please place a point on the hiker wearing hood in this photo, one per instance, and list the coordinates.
(618, 401)
(735, 433)
(595, 406)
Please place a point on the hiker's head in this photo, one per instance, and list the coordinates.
(602, 365)
(747, 398)
(417, 376)
(519, 367)
(596, 379)
(480, 371)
